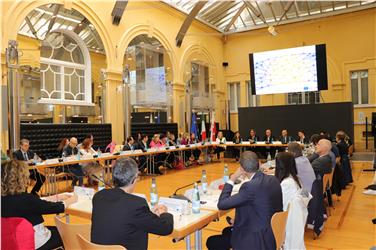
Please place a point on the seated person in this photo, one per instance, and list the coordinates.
(159, 159)
(142, 159)
(16, 203)
(89, 168)
(303, 166)
(237, 140)
(129, 144)
(255, 204)
(321, 161)
(156, 142)
(24, 154)
(268, 139)
(195, 152)
(292, 196)
(302, 138)
(74, 169)
(88, 136)
(220, 140)
(129, 215)
(252, 136)
(285, 138)
(64, 142)
(110, 147)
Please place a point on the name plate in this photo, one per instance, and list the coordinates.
(260, 142)
(207, 143)
(182, 146)
(214, 143)
(175, 205)
(276, 142)
(229, 143)
(172, 147)
(137, 151)
(246, 143)
(52, 161)
(105, 154)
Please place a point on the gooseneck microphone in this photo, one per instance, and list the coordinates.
(180, 196)
(102, 181)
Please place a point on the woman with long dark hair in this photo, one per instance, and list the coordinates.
(293, 199)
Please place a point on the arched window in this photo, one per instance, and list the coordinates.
(65, 69)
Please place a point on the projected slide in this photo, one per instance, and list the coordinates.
(287, 70)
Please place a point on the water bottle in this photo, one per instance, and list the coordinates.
(64, 156)
(101, 183)
(153, 193)
(204, 182)
(78, 155)
(99, 152)
(196, 200)
(276, 153)
(269, 160)
(225, 174)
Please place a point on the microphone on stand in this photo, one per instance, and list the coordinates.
(180, 196)
(102, 181)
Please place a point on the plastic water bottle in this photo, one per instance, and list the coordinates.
(101, 185)
(204, 182)
(269, 160)
(99, 152)
(225, 174)
(64, 156)
(78, 156)
(153, 193)
(196, 200)
(276, 153)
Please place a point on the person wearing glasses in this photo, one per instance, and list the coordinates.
(122, 218)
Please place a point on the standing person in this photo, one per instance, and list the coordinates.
(293, 200)
(343, 149)
(255, 203)
(16, 203)
(24, 154)
(129, 215)
(75, 169)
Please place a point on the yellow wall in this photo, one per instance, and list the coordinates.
(350, 41)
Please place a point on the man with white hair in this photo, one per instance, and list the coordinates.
(74, 169)
(322, 163)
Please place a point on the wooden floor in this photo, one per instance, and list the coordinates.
(349, 226)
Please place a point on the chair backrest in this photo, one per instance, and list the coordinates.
(68, 233)
(278, 223)
(87, 245)
(325, 181)
(17, 234)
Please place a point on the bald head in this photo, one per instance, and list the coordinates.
(323, 147)
(73, 142)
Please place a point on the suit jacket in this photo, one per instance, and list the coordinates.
(322, 165)
(120, 218)
(255, 138)
(270, 140)
(29, 206)
(255, 205)
(68, 150)
(19, 155)
(127, 147)
(304, 141)
(286, 139)
(142, 146)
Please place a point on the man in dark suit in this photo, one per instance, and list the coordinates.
(253, 138)
(285, 138)
(121, 218)
(268, 139)
(24, 154)
(321, 161)
(129, 144)
(74, 169)
(255, 204)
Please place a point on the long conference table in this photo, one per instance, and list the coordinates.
(49, 166)
(184, 224)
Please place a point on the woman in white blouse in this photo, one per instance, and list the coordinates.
(294, 199)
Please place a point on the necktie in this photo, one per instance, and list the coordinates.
(25, 156)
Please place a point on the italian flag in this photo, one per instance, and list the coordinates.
(203, 130)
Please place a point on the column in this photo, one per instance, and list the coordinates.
(114, 111)
(178, 105)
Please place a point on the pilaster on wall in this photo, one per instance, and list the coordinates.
(4, 140)
(220, 108)
(178, 102)
(114, 112)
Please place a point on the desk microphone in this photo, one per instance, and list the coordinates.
(180, 196)
(102, 181)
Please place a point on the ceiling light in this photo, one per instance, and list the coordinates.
(272, 31)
